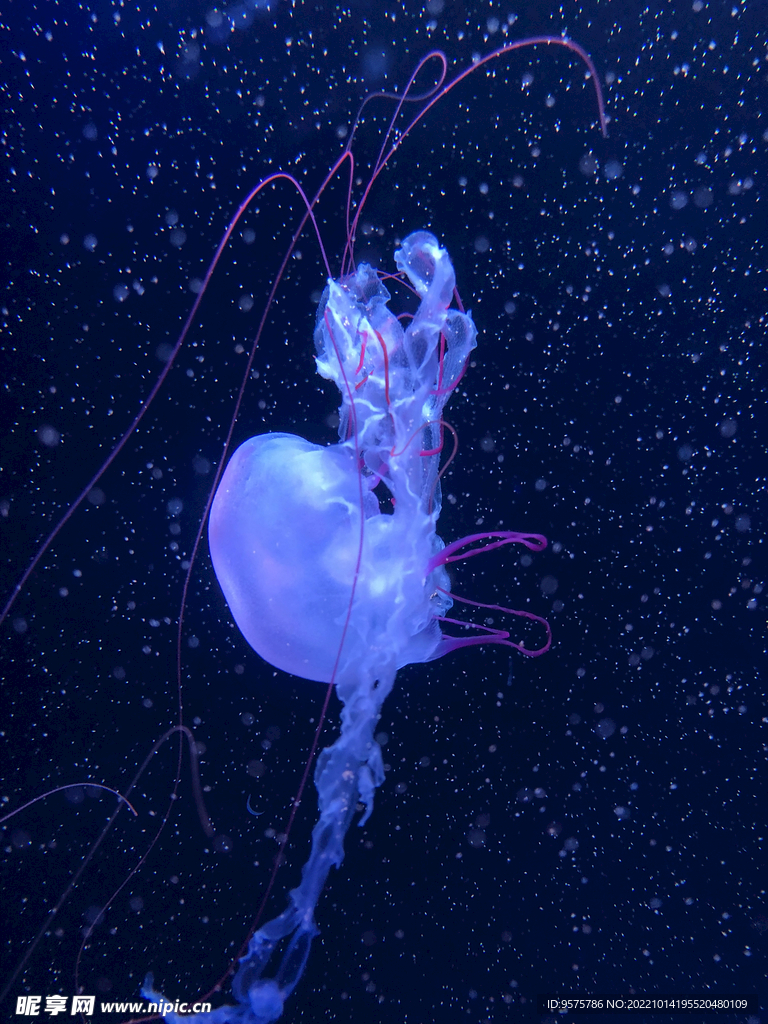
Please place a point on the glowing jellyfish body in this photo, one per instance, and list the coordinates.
(295, 528)
(321, 582)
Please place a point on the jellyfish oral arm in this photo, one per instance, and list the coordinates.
(347, 772)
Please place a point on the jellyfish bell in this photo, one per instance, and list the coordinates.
(284, 537)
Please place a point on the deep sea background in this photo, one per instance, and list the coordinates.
(590, 821)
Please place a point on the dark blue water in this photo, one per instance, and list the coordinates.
(593, 820)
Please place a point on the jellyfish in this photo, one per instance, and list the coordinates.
(362, 583)
(325, 585)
